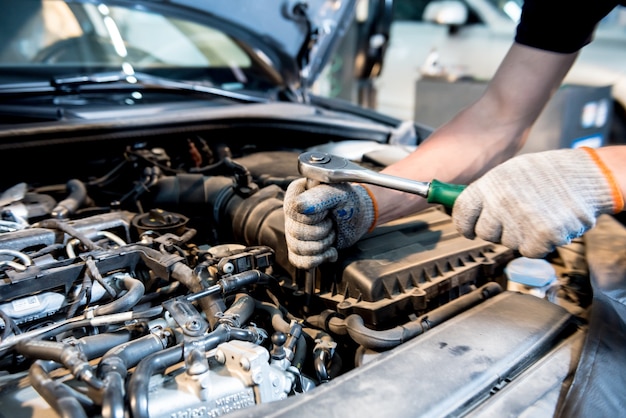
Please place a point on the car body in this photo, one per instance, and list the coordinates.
(147, 148)
(467, 39)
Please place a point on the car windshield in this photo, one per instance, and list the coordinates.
(56, 38)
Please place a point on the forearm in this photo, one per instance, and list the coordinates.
(483, 135)
(458, 152)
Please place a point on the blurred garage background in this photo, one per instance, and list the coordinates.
(424, 60)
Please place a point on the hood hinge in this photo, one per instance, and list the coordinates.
(299, 10)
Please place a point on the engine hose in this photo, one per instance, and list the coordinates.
(240, 311)
(9, 325)
(113, 369)
(387, 339)
(212, 305)
(140, 380)
(68, 206)
(135, 291)
(239, 280)
(68, 355)
(323, 354)
(322, 357)
(94, 346)
(279, 324)
(77, 322)
(330, 321)
(276, 316)
(58, 396)
(113, 396)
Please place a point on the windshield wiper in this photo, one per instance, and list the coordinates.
(72, 84)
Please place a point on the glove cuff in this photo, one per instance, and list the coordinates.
(374, 207)
(616, 194)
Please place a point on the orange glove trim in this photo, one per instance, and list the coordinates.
(616, 194)
(375, 204)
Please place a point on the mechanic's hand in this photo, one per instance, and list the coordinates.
(323, 219)
(536, 202)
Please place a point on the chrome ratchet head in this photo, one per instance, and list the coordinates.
(327, 168)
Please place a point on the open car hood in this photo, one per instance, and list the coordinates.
(297, 36)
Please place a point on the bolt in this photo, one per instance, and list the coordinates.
(193, 325)
(228, 268)
(220, 357)
(318, 158)
(244, 363)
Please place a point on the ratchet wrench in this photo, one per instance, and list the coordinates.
(328, 168)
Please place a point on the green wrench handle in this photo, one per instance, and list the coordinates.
(444, 193)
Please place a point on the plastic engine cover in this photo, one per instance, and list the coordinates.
(413, 265)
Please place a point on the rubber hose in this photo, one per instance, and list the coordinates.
(387, 339)
(212, 305)
(113, 369)
(281, 325)
(241, 309)
(77, 196)
(58, 396)
(277, 319)
(329, 321)
(68, 355)
(94, 346)
(135, 291)
(140, 380)
(113, 396)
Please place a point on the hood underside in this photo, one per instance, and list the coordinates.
(297, 36)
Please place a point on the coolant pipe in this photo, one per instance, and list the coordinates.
(113, 396)
(330, 321)
(58, 396)
(59, 327)
(140, 380)
(212, 305)
(240, 311)
(94, 346)
(387, 339)
(319, 361)
(113, 369)
(71, 357)
(135, 291)
(77, 197)
(323, 355)
(277, 319)
(281, 325)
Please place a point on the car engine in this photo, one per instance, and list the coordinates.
(148, 277)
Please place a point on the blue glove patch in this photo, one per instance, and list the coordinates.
(345, 214)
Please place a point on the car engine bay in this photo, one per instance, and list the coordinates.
(146, 275)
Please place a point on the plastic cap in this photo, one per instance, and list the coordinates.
(533, 272)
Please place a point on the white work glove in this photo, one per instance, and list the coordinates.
(323, 219)
(536, 202)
